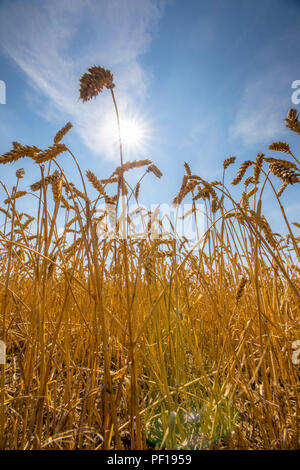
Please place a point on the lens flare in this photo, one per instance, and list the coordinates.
(133, 133)
(136, 134)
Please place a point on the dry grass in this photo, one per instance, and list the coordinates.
(117, 343)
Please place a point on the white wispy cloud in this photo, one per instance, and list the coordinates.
(55, 42)
(264, 103)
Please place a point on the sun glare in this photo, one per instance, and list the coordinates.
(133, 133)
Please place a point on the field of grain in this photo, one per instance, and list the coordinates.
(117, 343)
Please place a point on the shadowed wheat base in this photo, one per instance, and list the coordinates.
(142, 343)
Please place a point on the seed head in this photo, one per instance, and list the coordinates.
(156, 171)
(20, 173)
(242, 170)
(280, 147)
(240, 289)
(93, 82)
(228, 161)
(62, 132)
(292, 121)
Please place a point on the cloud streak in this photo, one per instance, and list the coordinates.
(264, 103)
(54, 43)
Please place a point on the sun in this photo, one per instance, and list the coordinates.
(131, 132)
(134, 133)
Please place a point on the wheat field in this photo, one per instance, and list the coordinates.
(122, 343)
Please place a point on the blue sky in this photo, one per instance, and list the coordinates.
(211, 78)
